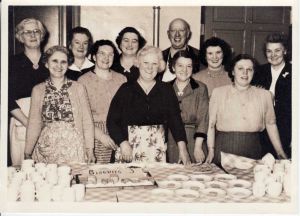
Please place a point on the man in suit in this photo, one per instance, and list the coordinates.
(276, 76)
(179, 34)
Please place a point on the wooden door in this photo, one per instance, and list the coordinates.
(245, 28)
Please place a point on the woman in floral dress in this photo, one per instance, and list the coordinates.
(60, 128)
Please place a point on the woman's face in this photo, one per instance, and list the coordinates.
(243, 72)
(31, 35)
(148, 66)
(129, 44)
(275, 53)
(57, 64)
(183, 68)
(104, 57)
(214, 57)
(79, 45)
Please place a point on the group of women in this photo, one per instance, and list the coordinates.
(111, 107)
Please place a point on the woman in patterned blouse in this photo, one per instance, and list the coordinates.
(60, 128)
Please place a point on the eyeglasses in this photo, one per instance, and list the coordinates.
(30, 32)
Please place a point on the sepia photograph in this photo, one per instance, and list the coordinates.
(155, 107)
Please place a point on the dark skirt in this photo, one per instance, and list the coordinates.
(245, 144)
(172, 149)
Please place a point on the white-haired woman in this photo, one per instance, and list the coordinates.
(142, 111)
(25, 71)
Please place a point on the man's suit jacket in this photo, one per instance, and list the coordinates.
(193, 52)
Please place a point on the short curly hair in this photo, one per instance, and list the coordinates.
(102, 42)
(50, 51)
(20, 27)
(230, 67)
(80, 30)
(277, 38)
(141, 39)
(151, 49)
(184, 54)
(215, 41)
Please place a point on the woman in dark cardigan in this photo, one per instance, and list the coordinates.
(146, 106)
(276, 76)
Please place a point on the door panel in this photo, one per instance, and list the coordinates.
(271, 15)
(224, 14)
(245, 28)
(236, 37)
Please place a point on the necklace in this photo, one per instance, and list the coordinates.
(181, 87)
(214, 74)
(146, 87)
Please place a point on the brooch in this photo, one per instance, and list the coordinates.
(285, 74)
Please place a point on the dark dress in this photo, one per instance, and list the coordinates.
(282, 105)
(22, 78)
(131, 106)
(131, 75)
(74, 72)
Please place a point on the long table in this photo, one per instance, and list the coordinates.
(161, 172)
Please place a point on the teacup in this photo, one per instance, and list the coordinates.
(68, 194)
(260, 176)
(274, 189)
(27, 191)
(13, 192)
(65, 180)
(262, 168)
(52, 167)
(57, 192)
(79, 191)
(27, 163)
(44, 193)
(279, 176)
(269, 160)
(287, 184)
(63, 170)
(259, 189)
(11, 172)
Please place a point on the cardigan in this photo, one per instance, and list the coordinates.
(131, 106)
(81, 113)
(194, 106)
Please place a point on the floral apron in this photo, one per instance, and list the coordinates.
(147, 142)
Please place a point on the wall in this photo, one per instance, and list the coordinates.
(106, 22)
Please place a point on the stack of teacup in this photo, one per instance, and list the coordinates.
(271, 177)
(43, 182)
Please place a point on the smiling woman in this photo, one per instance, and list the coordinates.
(60, 128)
(238, 112)
(193, 101)
(25, 70)
(140, 112)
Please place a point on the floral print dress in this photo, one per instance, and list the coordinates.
(59, 142)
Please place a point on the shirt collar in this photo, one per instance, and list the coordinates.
(86, 64)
